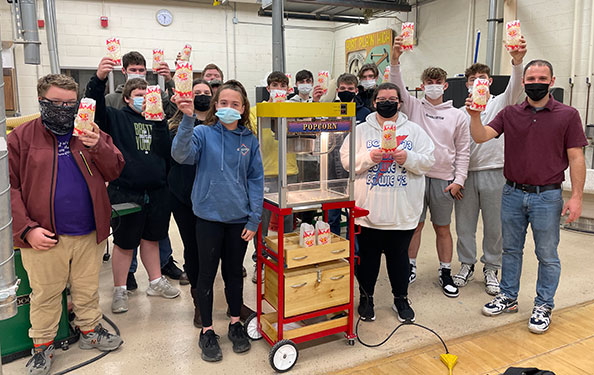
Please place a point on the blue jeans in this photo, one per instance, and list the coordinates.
(165, 252)
(543, 212)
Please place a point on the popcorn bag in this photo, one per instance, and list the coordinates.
(408, 35)
(323, 79)
(323, 235)
(307, 235)
(278, 96)
(512, 35)
(183, 80)
(387, 74)
(157, 58)
(389, 140)
(480, 91)
(84, 117)
(154, 105)
(114, 50)
(291, 89)
(186, 52)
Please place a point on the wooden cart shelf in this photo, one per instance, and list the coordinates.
(269, 321)
(297, 256)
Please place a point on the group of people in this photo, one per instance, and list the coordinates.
(204, 164)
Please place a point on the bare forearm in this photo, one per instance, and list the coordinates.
(577, 173)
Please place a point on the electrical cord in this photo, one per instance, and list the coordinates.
(96, 358)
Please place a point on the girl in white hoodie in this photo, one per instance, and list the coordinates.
(391, 186)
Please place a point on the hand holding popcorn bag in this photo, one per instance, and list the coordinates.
(154, 105)
(157, 59)
(278, 96)
(183, 80)
(512, 35)
(480, 94)
(84, 117)
(323, 80)
(408, 34)
(186, 52)
(290, 89)
(114, 50)
(307, 235)
(323, 235)
(389, 139)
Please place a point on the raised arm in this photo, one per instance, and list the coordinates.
(408, 100)
(96, 90)
(514, 88)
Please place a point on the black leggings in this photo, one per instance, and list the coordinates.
(220, 241)
(393, 243)
(186, 223)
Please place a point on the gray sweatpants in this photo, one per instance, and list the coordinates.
(482, 192)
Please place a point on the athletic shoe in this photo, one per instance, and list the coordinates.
(412, 273)
(255, 275)
(540, 320)
(366, 309)
(171, 270)
(239, 338)
(402, 308)
(119, 303)
(447, 283)
(243, 271)
(131, 284)
(209, 343)
(183, 279)
(162, 288)
(500, 304)
(465, 275)
(100, 339)
(41, 362)
(491, 282)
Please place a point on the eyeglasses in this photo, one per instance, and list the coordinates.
(390, 99)
(59, 103)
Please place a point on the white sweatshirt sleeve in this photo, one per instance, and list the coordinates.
(409, 102)
(362, 159)
(514, 88)
(462, 144)
(421, 160)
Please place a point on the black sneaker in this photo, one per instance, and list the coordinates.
(171, 270)
(447, 283)
(239, 338)
(402, 308)
(366, 309)
(131, 284)
(209, 343)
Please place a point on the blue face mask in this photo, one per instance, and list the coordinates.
(228, 115)
(137, 102)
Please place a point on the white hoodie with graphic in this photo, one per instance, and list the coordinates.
(392, 193)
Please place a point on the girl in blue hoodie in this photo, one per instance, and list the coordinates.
(227, 199)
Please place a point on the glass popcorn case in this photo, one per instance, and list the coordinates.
(300, 145)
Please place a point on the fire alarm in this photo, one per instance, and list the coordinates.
(41, 24)
(104, 21)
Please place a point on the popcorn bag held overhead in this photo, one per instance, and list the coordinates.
(186, 52)
(480, 91)
(291, 89)
(512, 35)
(408, 36)
(154, 105)
(157, 58)
(84, 117)
(389, 140)
(307, 235)
(114, 50)
(323, 79)
(323, 235)
(387, 74)
(183, 80)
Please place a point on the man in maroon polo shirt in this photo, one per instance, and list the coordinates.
(542, 138)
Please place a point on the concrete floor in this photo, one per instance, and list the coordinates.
(160, 338)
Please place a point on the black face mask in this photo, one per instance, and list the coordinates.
(202, 102)
(536, 91)
(346, 96)
(387, 109)
(59, 120)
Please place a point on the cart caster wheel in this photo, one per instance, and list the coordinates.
(65, 346)
(106, 257)
(283, 355)
(251, 327)
(351, 342)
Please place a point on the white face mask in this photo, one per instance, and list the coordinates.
(305, 88)
(134, 75)
(368, 83)
(433, 91)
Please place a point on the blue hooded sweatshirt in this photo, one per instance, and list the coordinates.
(229, 183)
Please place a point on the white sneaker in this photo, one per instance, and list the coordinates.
(162, 288)
(540, 320)
(119, 304)
(465, 275)
(491, 282)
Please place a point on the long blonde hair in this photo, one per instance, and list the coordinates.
(236, 86)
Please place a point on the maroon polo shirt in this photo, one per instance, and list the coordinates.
(536, 141)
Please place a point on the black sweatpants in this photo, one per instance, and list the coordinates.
(394, 244)
(220, 241)
(186, 223)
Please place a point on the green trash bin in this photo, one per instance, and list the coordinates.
(14, 338)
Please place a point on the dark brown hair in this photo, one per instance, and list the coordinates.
(177, 117)
(302, 75)
(212, 66)
(370, 66)
(477, 68)
(133, 58)
(59, 80)
(386, 86)
(434, 73)
(236, 86)
(538, 62)
(131, 85)
(279, 77)
(347, 78)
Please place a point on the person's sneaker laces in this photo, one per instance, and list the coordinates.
(171, 270)
(239, 338)
(131, 284)
(447, 283)
(162, 288)
(119, 303)
(491, 282)
(540, 320)
(465, 275)
(402, 308)
(412, 273)
(209, 343)
(100, 339)
(41, 362)
(365, 309)
(500, 304)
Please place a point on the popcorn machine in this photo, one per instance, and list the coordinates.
(308, 286)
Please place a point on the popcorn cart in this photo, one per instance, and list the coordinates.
(310, 289)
